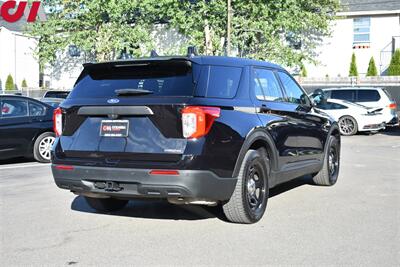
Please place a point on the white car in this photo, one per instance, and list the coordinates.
(352, 117)
(372, 97)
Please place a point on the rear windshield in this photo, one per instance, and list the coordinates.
(161, 78)
(388, 94)
(56, 94)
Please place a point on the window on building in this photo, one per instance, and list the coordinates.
(361, 30)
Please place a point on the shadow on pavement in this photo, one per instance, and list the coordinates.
(161, 209)
(392, 131)
(16, 160)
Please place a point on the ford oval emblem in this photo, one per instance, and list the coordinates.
(113, 101)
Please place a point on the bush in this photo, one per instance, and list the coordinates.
(10, 83)
(353, 66)
(394, 67)
(24, 84)
(372, 71)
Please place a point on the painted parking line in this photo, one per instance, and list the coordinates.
(24, 166)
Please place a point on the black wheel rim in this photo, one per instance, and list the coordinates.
(255, 188)
(347, 125)
(333, 163)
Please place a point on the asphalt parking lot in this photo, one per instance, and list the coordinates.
(356, 222)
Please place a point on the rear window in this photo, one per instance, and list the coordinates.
(223, 81)
(56, 94)
(388, 94)
(169, 78)
(349, 95)
(368, 96)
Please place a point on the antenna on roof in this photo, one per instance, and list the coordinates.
(153, 53)
(192, 51)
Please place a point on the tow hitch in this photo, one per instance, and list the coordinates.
(108, 186)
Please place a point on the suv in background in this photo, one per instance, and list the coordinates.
(192, 130)
(56, 94)
(369, 97)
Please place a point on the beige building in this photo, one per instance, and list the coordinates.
(367, 28)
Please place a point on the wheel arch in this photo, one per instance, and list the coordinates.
(256, 139)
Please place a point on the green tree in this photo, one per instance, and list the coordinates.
(372, 70)
(266, 30)
(10, 83)
(394, 67)
(24, 84)
(353, 66)
(101, 29)
(303, 70)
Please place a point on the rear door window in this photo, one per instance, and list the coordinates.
(222, 81)
(349, 95)
(368, 96)
(266, 86)
(161, 78)
(36, 109)
(11, 108)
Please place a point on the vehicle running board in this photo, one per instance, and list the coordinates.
(115, 110)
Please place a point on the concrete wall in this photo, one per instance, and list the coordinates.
(17, 58)
(335, 53)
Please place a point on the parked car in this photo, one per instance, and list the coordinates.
(26, 128)
(351, 117)
(370, 97)
(56, 94)
(192, 130)
(54, 102)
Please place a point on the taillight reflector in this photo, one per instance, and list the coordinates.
(164, 172)
(392, 106)
(197, 120)
(64, 167)
(57, 121)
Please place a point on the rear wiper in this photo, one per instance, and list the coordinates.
(128, 91)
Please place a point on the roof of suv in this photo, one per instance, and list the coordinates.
(202, 60)
(351, 88)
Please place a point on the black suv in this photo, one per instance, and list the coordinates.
(192, 130)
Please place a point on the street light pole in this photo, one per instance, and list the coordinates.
(228, 30)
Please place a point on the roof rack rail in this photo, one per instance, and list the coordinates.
(192, 51)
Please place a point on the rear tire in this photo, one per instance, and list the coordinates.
(249, 199)
(106, 204)
(42, 147)
(329, 173)
(348, 125)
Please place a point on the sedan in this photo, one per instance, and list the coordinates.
(26, 128)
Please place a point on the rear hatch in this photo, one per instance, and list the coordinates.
(124, 112)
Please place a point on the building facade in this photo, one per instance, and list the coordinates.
(364, 27)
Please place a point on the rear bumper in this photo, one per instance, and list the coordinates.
(139, 183)
(393, 122)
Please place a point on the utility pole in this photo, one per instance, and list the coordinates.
(228, 30)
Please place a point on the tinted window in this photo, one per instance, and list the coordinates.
(36, 109)
(294, 93)
(223, 81)
(161, 78)
(349, 95)
(56, 94)
(14, 108)
(368, 96)
(266, 86)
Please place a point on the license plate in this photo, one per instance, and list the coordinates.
(114, 128)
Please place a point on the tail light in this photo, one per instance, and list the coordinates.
(164, 172)
(392, 106)
(197, 121)
(57, 121)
